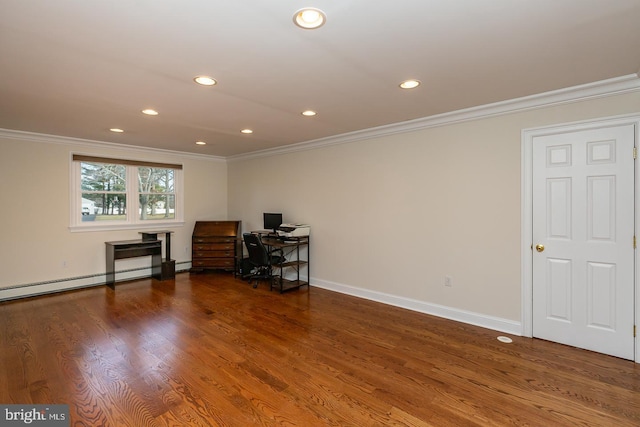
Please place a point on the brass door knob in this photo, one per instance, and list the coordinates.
(539, 248)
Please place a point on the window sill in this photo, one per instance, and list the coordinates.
(112, 227)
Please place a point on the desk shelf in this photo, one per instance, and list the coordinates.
(285, 285)
(168, 267)
(296, 254)
(131, 249)
(296, 263)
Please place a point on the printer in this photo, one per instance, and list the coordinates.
(294, 230)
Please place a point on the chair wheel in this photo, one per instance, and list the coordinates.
(255, 285)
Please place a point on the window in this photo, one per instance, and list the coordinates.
(104, 191)
(116, 194)
(157, 194)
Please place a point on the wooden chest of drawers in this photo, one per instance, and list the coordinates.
(216, 245)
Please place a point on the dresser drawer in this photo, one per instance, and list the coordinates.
(213, 263)
(213, 254)
(213, 239)
(213, 247)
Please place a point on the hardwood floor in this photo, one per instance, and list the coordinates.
(208, 350)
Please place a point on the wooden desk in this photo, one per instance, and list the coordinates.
(216, 245)
(291, 251)
(131, 249)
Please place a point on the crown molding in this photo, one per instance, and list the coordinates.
(600, 89)
(88, 143)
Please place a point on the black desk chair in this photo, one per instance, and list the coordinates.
(260, 259)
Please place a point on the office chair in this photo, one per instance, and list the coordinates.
(260, 259)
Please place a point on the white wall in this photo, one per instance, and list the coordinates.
(36, 244)
(392, 215)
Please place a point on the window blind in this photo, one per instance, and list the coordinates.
(96, 159)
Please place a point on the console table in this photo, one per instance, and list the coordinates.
(131, 249)
(168, 270)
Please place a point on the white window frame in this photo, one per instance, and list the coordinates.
(133, 200)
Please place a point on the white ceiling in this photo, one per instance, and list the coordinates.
(79, 67)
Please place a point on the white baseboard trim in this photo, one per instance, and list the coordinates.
(476, 319)
(495, 323)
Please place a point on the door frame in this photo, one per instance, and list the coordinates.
(527, 211)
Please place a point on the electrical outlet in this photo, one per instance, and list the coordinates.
(448, 281)
(64, 263)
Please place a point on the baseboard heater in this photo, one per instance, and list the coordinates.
(78, 282)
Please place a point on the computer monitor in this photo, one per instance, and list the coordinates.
(272, 221)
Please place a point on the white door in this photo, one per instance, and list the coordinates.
(583, 239)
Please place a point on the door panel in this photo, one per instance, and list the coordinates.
(583, 214)
(559, 208)
(601, 287)
(559, 294)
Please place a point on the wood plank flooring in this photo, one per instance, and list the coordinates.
(208, 350)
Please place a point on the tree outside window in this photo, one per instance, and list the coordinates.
(157, 194)
(104, 191)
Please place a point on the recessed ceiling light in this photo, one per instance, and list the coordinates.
(309, 18)
(309, 113)
(205, 80)
(150, 112)
(410, 84)
(201, 143)
(116, 130)
(247, 131)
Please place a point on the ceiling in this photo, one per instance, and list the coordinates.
(77, 68)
